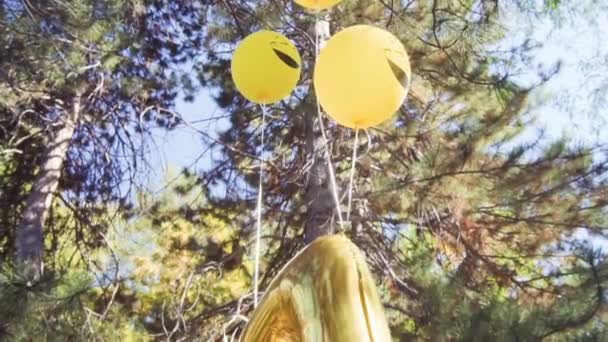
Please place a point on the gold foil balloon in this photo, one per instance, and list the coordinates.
(265, 67)
(317, 4)
(362, 76)
(325, 293)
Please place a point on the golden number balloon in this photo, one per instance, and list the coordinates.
(362, 76)
(325, 293)
(265, 67)
(317, 4)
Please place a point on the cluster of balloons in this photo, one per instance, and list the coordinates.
(361, 77)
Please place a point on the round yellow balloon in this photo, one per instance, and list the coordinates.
(265, 67)
(317, 4)
(362, 76)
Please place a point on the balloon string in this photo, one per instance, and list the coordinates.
(369, 143)
(352, 174)
(258, 228)
(330, 169)
(316, 38)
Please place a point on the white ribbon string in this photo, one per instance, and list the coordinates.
(330, 169)
(258, 227)
(352, 174)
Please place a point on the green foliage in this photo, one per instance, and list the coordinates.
(63, 305)
(467, 216)
(172, 267)
(472, 233)
(552, 4)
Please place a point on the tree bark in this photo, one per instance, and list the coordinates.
(320, 204)
(29, 241)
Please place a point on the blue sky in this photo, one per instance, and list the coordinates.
(183, 146)
(574, 102)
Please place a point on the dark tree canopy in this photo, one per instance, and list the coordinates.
(472, 232)
(82, 83)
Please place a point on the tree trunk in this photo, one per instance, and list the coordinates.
(320, 204)
(29, 241)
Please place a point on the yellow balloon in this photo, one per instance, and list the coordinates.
(317, 4)
(362, 76)
(265, 67)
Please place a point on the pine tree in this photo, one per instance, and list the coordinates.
(449, 172)
(171, 262)
(472, 233)
(81, 84)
